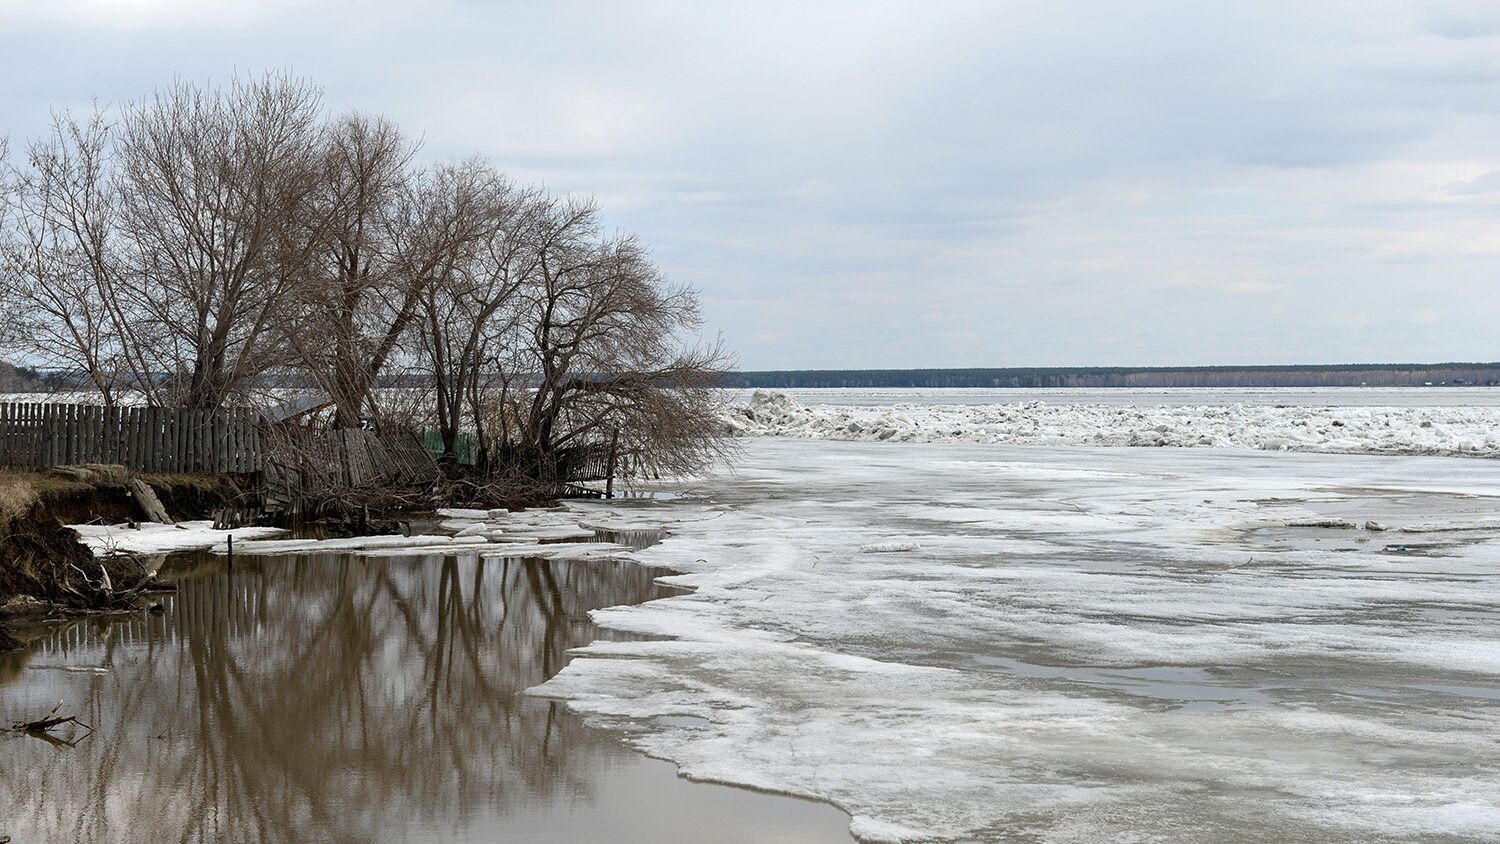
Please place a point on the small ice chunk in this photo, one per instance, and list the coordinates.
(355, 544)
(555, 550)
(1374, 525)
(621, 525)
(889, 547)
(1320, 523)
(552, 533)
(1443, 527)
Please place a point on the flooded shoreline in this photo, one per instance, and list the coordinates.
(334, 697)
(999, 643)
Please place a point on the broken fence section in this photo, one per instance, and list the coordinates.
(309, 463)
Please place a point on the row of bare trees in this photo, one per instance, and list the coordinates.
(192, 248)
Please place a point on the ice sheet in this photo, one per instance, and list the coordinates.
(352, 543)
(1074, 644)
(549, 533)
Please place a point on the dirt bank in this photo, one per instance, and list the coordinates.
(77, 494)
(45, 570)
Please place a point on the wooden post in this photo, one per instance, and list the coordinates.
(5, 437)
(614, 444)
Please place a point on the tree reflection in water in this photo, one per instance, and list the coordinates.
(326, 698)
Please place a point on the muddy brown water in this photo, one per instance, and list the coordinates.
(337, 698)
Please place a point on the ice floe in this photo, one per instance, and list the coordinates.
(889, 547)
(352, 543)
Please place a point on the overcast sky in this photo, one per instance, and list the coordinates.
(877, 184)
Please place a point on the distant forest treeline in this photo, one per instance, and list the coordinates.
(1350, 375)
(18, 379)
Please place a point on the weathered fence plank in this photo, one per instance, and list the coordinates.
(150, 503)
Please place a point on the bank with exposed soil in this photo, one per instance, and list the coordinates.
(46, 571)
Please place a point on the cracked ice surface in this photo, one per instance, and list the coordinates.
(1075, 644)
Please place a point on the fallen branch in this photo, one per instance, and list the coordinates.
(43, 726)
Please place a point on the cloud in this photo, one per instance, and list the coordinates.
(1463, 19)
(1484, 183)
(134, 15)
(881, 183)
(1254, 287)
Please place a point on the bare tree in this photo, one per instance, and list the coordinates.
(211, 180)
(7, 283)
(60, 259)
(221, 234)
(357, 296)
(551, 336)
(608, 342)
(466, 309)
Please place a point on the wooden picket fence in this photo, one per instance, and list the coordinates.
(147, 439)
(293, 463)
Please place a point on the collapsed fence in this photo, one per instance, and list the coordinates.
(562, 473)
(307, 465)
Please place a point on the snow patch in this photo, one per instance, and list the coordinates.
(152, 538)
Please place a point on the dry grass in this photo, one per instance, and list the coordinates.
(19, 489)
(42, 484)
(16, 498)
(84, 493)
(185, 482)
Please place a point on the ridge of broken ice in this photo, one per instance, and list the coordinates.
(1455, 430)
